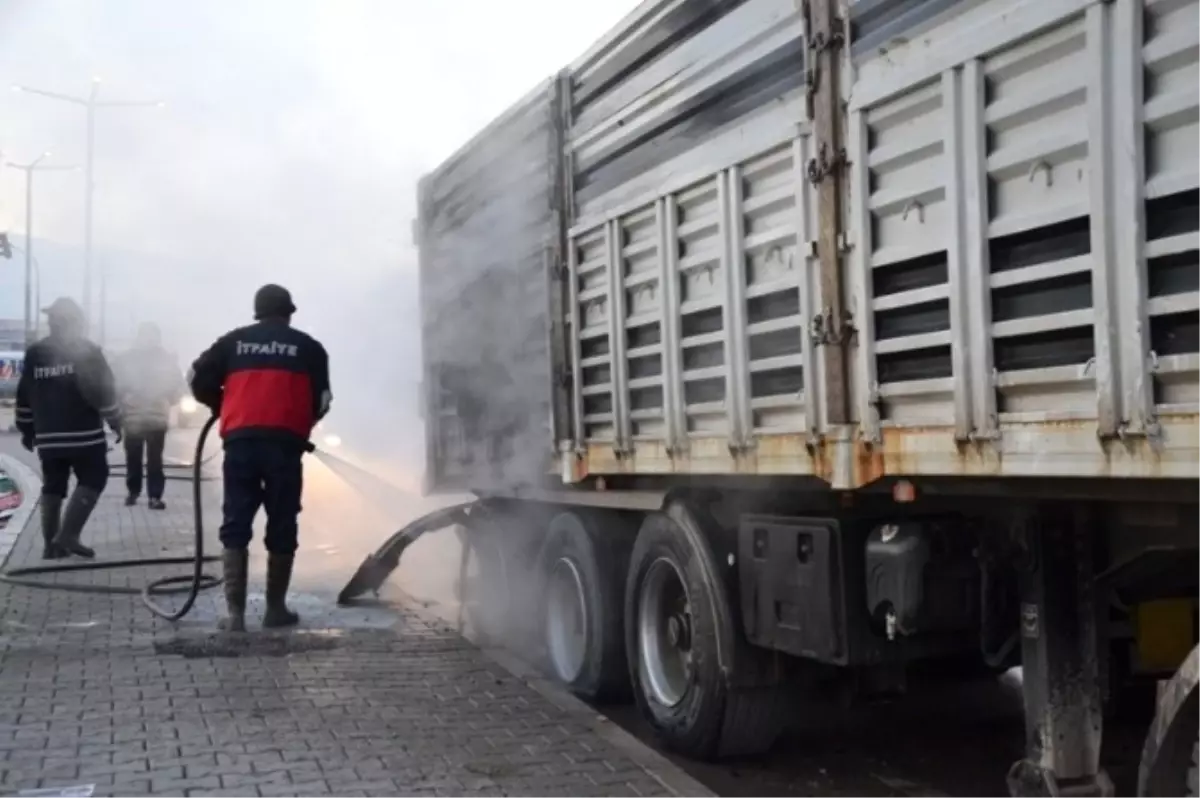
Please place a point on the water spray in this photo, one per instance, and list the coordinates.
(369, 577)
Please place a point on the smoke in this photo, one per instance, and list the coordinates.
(288, 150)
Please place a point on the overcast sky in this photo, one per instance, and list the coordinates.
(289, 148)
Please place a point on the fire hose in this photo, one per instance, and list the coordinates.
(369, 577)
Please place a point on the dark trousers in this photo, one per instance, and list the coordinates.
(90, 466)
(152, 443)
(268, 473)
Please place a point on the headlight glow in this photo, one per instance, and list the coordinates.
(188, 405)
(332, 441)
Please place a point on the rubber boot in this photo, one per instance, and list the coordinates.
(279, 576)
(235, 562)
(51, 507)
(79, 509)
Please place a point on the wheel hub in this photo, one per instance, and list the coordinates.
(664, 633)
(679, 631)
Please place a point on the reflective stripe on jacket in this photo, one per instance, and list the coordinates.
(66, 392)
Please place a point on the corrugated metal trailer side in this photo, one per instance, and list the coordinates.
(1023, 187)
(689, 256)
(1019, 263)
(488, 234)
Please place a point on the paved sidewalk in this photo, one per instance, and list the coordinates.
(379, 701)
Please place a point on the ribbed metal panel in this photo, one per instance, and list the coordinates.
(487, 233)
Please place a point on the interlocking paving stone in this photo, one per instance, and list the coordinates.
(392, 701)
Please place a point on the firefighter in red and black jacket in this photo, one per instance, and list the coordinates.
(270, 384)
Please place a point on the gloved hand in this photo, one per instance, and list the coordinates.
(27, 442)
(310, 447)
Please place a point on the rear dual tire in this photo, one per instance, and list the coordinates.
(671, 633)
(582, 567)
(624, 610)
(495, 588)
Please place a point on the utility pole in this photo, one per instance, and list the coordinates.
(90, 104)
(29, 168)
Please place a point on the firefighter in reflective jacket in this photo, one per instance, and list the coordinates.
(270, 384)
(65, 394)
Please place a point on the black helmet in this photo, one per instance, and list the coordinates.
(273, 301)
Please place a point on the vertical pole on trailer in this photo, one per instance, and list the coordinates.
(832, 327)
(1060, 654)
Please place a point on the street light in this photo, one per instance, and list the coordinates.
(35, 165)
(37, 281)
(90, 104)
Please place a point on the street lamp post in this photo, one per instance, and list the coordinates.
(29, 168)
(37, 289)
(90, 104)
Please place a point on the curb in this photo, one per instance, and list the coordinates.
(31, 489)
(671, 776)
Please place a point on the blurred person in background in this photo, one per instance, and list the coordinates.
(65, 394)
(149, 384)
(269, 383)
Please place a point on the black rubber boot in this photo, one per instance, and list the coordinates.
(79, 509)
(279, 576)
(51, 507)
(235, 562)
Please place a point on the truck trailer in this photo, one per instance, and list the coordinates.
(792, 346)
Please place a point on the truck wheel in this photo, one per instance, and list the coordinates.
(1193, 774)
(671, 636)
(1169, 755)
(484, 590)
(583, 565)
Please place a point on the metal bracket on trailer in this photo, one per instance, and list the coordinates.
(825, 166)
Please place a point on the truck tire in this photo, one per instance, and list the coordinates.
(1193, 774)
(485, 593)
(582, 574)
(671, 636)
(497, 593)
(1169, 755)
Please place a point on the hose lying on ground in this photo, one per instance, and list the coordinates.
(367, 579)
(191, 584)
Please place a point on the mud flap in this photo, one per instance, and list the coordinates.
(375, 570)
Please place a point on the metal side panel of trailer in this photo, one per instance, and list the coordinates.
(488, 233)
(1023, 194)
(1020, 260)
(689, 252)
